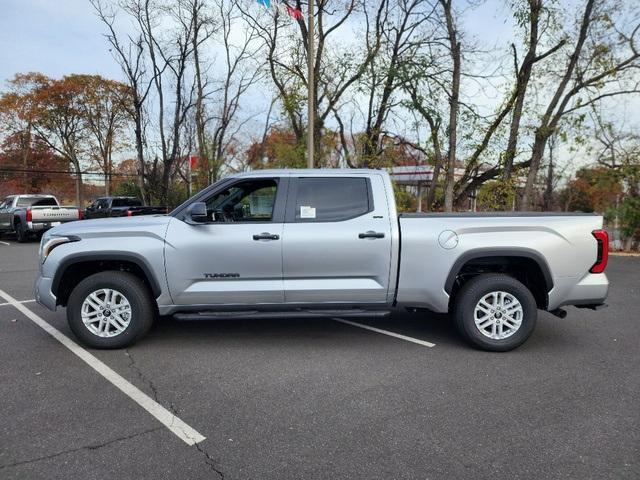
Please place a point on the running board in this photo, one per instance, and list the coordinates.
(255, 314)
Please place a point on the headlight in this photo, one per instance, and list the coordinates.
(49, 242)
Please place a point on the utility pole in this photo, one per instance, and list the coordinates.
(310, 83)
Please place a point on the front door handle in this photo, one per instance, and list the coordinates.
(266, 236)
(371, 234)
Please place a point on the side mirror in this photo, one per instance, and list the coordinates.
(196, 213)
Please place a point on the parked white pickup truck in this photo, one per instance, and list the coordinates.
(33, 214)
(304, 243)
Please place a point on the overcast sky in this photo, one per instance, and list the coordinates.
(58, 37)
(53, 37)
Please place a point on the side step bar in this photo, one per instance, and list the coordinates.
(261, 315)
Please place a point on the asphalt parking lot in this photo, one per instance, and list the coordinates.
(322, 399)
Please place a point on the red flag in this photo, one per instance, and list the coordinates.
(294, 12)
(193, 162)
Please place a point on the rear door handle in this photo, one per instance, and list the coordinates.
(266, 236)
(371, 234)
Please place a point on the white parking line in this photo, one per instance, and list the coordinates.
(5, 243)
(19, 301)
(164, 416)
(387, 332)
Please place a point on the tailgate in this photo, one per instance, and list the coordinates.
(53, 214)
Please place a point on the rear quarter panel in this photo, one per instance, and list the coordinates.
(565, 242)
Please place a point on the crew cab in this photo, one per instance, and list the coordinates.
(310, 243)
(33, 214)
(120, 207)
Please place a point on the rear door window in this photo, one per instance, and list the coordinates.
(330, 199)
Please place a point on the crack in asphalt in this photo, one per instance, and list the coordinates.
(210, 461)
(84, 447)
(132, 365)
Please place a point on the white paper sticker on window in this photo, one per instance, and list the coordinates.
(307, 212)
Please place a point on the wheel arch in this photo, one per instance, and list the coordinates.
(526, 265)
(17, 218)
(73, 269)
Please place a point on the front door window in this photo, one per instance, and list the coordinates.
(249, 201)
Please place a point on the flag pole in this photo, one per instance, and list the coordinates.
(310, 84)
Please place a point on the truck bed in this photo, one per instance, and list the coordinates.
(435, 244)
(495, 214)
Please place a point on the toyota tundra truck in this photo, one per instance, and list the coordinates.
(27, 215)
(320, 243)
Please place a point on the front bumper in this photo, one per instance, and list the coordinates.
(43, 294)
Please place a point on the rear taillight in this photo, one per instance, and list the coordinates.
(80, 214)
(602, 237)
(29, 215)
(129, 213)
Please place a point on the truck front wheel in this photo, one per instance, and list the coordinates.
(110, 309)
(495, 312)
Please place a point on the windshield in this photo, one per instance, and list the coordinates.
(37, 202)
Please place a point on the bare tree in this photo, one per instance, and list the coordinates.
(398, 34)
(337, 68)
(454, 99)
(599, 60)
(203, 28)
(523, 76)
(168, 56)
(130, 55)
(242, 69)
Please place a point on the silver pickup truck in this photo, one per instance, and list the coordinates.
(33, 214)
(315, 243)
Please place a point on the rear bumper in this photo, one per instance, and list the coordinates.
(41, 226)
(43, 294)
(590, 291)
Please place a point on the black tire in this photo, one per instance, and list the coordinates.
(136, 293)
(20, 232)
(473, 291)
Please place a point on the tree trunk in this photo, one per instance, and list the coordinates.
(537, 152)
(140, 153)
(548, 194)
(453, 127)
(454, 101)
(79, 192)
(203, 158)
(555, 109)
(523, 77)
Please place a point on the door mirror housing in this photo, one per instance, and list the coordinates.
(196, 213)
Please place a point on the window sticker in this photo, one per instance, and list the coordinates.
(307, 212)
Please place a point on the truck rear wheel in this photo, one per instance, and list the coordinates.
(21, 234)
(110, 309)
(495, 312)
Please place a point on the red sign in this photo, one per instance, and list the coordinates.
(193, 162)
